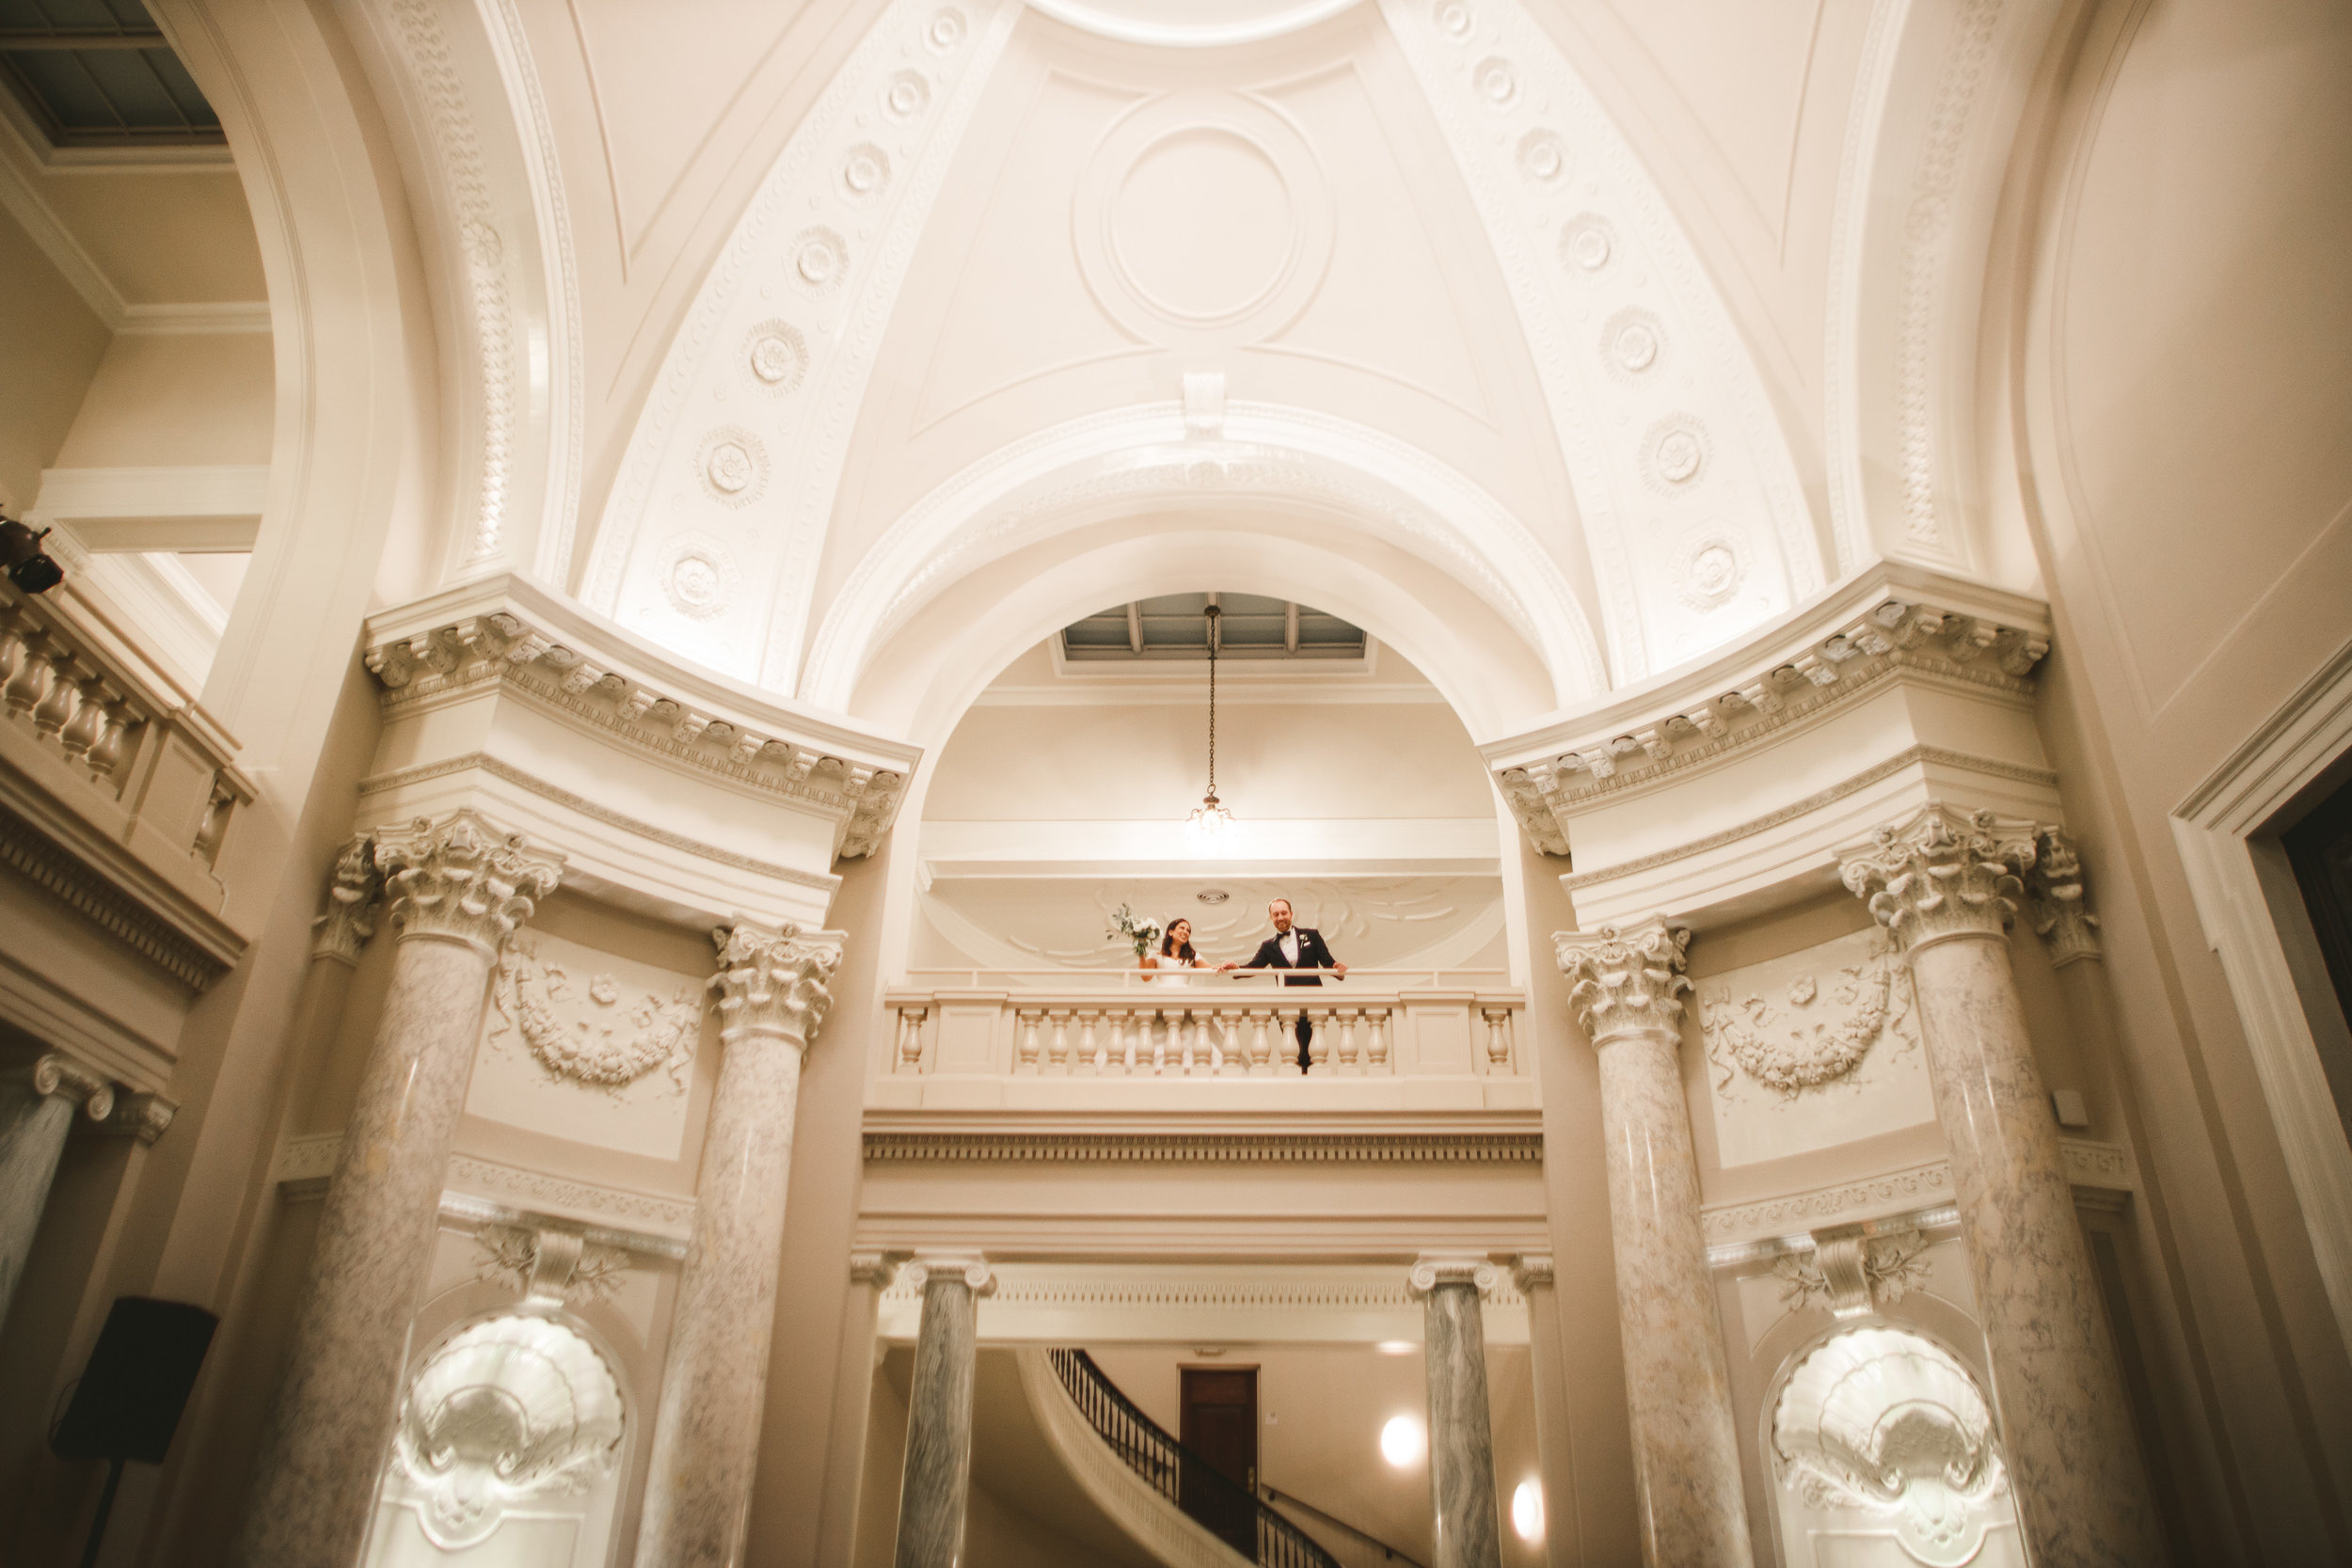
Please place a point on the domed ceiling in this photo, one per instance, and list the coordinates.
(1386, 276)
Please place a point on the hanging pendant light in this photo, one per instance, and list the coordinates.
(1210, 820)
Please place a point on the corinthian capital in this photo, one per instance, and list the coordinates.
(2053, 891)
(462, 879)
(773, 980)
(352, 896)
(1628, 980)
(1940, 873)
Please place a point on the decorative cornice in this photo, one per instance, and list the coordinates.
(1938, 872)
(462, 878)
(1206, 1149)
(1908, 757)
(507, 772)
(1343, 1287)
(2057, 901)
(116, 910)
(353, 892)
(555, 655)
(1626, 982)
(773, 982)
(1899, 624)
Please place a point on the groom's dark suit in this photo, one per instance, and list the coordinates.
(1313, 953)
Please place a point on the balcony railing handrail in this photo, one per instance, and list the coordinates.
(1129, 975)
(1176, 1472)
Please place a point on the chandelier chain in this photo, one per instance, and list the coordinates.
(1213, 613)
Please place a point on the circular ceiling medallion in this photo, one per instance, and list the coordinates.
(1586, 244)
(1633, 342)
(699, 577)
(1710, 565)
(1675, 454)
(776, 354)
(732, 465)
(1204, 215)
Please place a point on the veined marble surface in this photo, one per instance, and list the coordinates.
(938, 1473)
(1461, 1436)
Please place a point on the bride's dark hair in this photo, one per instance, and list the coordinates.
(1167, 947)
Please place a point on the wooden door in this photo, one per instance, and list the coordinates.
(1219, 1432)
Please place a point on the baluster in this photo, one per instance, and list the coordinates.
(30, 682)
(1497, 1040)
(1123, 1029)
(1088, 1060)
(1058, 1052)
(1377, 1052)
(1156, 1023)
(1260, 1063)
(1319, 1041)
(911, 1038)
(106, 755)
(215, 826)
(1228, 1042)
(1349, 1065)
(64, 696)
(88, 723)
(1024, 1035)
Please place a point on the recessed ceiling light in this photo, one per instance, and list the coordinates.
(1396, 1347)
(1401, 1441)
(1213, 896)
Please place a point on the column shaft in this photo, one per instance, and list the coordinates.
(1686, 1453)
(1945, 883)
(2069, 1440)
(1678, 1385)
(938, 1475)
(706, 1446)
(36, 1111)
(707, 1437)
(334, 1415)
(1461, 1436)
(459, 890)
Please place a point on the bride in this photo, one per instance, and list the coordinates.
(1175, 956)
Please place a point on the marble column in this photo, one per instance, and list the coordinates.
(1686, 1453)
(1946, 882)
(36, 1109)
(938, 1476)
(457, 889)
(772, 996)
(1534, 1275)
(1461, 1435)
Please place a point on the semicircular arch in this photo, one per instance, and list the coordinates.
(1312, 469)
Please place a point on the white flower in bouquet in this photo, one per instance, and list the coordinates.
(1139, 934)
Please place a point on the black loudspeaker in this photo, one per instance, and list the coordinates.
(128, 1401)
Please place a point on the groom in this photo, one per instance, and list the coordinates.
(1295, 948)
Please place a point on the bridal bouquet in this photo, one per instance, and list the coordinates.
(1141, 934)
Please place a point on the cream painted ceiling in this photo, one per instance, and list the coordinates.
(1337, 215)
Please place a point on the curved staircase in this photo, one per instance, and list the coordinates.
(1171, 1501)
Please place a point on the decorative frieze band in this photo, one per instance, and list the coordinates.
(2098, 1173)
(1900, 622)
(196, 951)
(1208, 1148)
(569, 671)
(306, 1163)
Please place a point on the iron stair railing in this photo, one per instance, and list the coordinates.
(1221, 1504)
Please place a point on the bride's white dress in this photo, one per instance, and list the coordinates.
(1173, 970)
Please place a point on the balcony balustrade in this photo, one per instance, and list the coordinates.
(1054, 1037)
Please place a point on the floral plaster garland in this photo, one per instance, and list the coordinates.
(594, 1037)
(1801, 1047)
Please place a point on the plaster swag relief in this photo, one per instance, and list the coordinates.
(1813, 1049)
